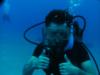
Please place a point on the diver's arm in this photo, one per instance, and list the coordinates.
(42, 62)
(68, 68)
(30, 66)
(87, 68)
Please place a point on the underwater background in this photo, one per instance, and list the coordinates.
(15, 50)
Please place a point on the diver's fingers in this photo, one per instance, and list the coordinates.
(43, 58)
(43, 66)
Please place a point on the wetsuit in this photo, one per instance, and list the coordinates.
(76, 55)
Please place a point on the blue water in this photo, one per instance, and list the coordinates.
(15, 51)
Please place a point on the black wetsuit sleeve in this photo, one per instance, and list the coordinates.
(82, 54)
(37, 50)
(78, 54)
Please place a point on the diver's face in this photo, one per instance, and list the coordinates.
(57, 34)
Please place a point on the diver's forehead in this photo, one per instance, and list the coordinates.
(55, 27)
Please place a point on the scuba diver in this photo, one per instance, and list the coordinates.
(4, 8)
(61, 52)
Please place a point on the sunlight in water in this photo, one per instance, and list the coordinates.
(73, 4)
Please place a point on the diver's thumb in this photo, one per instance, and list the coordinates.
(43, 52)
(66, 58)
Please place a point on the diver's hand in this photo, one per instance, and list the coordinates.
(43, 61)
(67, 68)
